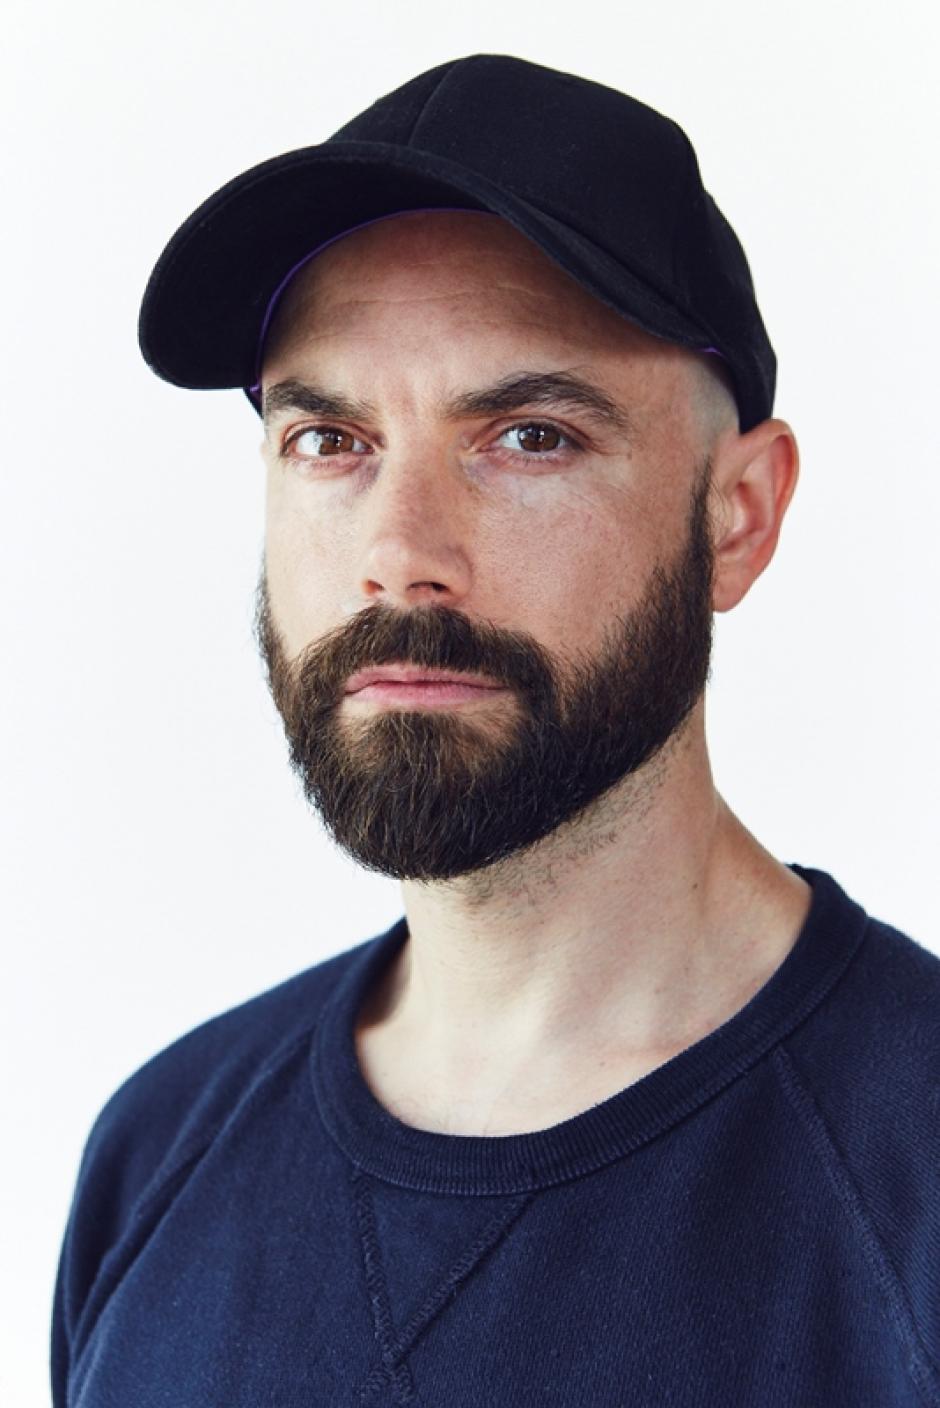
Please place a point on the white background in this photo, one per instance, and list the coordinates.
(159, 863)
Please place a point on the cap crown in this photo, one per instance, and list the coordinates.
(603, 163)
(609, 188)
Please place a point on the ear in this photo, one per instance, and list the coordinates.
(753, 479)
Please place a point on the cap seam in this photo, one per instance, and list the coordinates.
(430, 98)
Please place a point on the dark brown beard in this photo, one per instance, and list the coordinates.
(429, 795)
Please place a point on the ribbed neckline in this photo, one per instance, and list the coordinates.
(382, 1145)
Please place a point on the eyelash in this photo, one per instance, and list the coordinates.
(570, 443)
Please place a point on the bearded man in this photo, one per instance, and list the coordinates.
(623, 1110)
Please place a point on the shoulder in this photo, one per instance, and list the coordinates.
(867, 1061)
(177, 1099)
(168, 1112)
(881, 1020)
(876, 1034)
(160, 1121)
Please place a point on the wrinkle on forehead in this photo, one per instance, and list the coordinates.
(442, 257)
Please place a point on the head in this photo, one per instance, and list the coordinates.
(474, 465)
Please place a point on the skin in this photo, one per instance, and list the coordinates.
(544, 984)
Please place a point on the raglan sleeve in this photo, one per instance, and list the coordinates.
(150, 1130)
(151, 1135)
(124, 1158)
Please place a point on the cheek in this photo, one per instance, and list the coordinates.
(304, 563)
(559, 564)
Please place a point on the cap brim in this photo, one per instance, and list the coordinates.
(205, 302)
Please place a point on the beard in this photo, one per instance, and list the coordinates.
(431, 795)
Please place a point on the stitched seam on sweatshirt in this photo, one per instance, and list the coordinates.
(397, 1344)
(197, 1145)
(395, 1367)
(922, 1371)
(110, 1275)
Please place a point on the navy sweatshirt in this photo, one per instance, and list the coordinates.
(754, 1224)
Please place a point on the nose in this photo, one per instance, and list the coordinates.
(415, 547)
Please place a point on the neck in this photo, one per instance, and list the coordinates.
(620, 939)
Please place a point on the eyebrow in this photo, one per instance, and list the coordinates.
(313, 401)
(508, 394)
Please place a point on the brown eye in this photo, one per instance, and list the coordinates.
(535, 438)
(325, 440)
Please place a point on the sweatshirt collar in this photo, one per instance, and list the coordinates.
(382, 1145)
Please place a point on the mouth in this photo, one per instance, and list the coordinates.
(417, 685)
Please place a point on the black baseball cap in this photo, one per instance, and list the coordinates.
(606, 186)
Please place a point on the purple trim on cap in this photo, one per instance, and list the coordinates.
(254, 391)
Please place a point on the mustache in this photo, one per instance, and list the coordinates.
(436, 637)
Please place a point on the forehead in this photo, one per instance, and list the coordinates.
(441, 263)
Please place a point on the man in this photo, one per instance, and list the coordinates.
(623, 1110)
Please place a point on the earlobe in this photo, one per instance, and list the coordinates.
(754, 480)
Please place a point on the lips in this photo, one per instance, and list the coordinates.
(415, 675)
